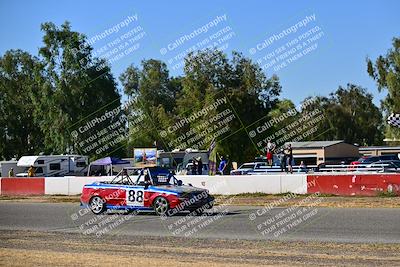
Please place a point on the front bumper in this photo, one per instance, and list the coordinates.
(204, 202)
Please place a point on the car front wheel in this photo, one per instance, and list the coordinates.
(97, 205)
(161, 206)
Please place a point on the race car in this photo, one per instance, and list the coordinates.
(154, 189)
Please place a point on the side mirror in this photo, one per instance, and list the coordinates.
(180, 182)
(146, 186)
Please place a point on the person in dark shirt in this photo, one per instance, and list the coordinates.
(194, 166)
(199, 166)
(282, 160)
(289, 155)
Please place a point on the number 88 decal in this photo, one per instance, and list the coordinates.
(134, 197)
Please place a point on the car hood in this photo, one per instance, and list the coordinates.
(180, 188)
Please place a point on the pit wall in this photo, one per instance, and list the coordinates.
(271, 184)
(238, 184)
(337, 184)
(71, 185)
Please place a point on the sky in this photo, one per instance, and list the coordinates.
(312, 46)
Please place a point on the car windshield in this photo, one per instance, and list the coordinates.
(163, 179)
(247, 166)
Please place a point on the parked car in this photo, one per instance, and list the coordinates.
(385, 165)
(248, 167)
(154, 189)
(370, 159)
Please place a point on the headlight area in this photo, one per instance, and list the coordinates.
(184, 196)
(194, 197)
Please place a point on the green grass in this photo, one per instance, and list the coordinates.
(387, 194)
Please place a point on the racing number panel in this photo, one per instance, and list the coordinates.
(135, 197)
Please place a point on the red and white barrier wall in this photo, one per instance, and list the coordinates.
(71, 185)
(237, 184)
(337, 184)
(22, 186)
(271, 184)
(47, 186)
(354, 184)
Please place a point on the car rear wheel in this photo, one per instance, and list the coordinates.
(97, 205)
(161, 206)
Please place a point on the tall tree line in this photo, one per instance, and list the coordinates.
(42, 96)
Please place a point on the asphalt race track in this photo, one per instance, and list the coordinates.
(228, 222)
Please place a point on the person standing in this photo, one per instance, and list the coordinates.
(289, 155)
(199, 166)
(270, 152)
(11, 173)
(229, 166)
(194, 166)
(282, 160)
(222, 165)
(31, 171)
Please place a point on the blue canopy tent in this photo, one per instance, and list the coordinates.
(108, 161)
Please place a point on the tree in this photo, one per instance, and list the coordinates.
(350, 115)
(154, 94)
(19, 134)
(75, 85)
(210, 75)
(386, 72)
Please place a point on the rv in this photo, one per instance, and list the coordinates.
(53, 165)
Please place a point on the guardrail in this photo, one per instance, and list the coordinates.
(278, 170)
(379, 168)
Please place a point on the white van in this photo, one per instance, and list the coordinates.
(54, 165)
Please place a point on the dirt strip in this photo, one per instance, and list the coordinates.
(25, 248)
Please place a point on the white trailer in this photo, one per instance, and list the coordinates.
(54, 165)
(5, 166)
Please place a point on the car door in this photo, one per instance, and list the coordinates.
(135, 196)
